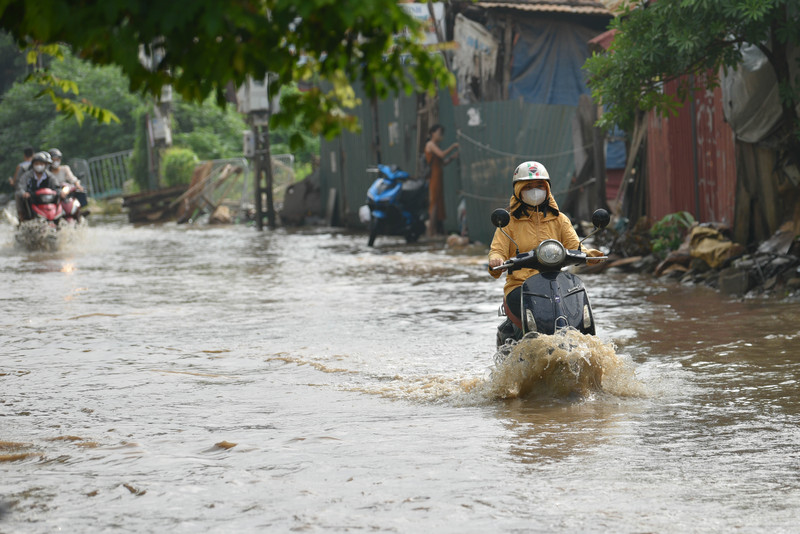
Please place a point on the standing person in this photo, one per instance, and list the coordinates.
(437, 159)
(534, 217)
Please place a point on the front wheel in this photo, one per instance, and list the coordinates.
(412, 237)
(374, 226)
(415, 230)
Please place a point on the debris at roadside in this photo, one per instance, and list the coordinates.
(707, 255)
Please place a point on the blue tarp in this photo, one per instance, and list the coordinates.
(615, 150)
(547, 63)
(547, 68)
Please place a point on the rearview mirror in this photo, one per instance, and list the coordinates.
(501, 218)
(600, 218)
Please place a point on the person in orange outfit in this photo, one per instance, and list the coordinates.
(437, 159)
(534, 217)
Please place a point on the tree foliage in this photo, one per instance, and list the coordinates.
(106, 88)
(292, 137)
(63, 92)
(26, 120)
(204, 45)
(663, 40)
(178, 165)
(211, 131)
(12, 62)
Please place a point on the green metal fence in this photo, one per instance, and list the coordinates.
(494, 138)
(103, 176)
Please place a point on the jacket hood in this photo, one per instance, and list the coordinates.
(514, 203)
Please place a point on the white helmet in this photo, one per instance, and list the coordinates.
(530, 170)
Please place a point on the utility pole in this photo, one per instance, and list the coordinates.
(270, 182)
(159, 133)
(252, 98)
(263, 173)
(257, 164)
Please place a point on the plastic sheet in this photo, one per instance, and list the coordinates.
(548, 62)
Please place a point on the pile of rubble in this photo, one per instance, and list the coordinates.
(708, 256)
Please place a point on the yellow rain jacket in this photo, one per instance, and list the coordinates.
(528, 232)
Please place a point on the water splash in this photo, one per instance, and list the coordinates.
(566, 365)
(37, 234)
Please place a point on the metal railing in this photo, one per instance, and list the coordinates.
(103, 176)
(282, 174)
(219, 164)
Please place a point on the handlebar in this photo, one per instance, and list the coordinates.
(573, 257)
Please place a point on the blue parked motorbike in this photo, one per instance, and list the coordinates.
(398, 204)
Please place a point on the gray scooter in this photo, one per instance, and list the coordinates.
(552, 299)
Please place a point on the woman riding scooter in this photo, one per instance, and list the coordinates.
(534, 217)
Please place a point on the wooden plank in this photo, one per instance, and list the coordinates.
(768, 199)
(153, 196)
(201, 175)
(507, 51)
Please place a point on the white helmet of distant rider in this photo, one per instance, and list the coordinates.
(56, 155)
(40, 161)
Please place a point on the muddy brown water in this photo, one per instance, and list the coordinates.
(224, 380)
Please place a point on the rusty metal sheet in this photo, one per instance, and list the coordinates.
(716, 149)
(670, 161)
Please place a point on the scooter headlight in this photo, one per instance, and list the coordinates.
(551, 253)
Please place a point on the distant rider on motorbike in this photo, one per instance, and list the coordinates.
(36, 178)
(16, 180)
(534, 217)
(65, 175)
(63, 172)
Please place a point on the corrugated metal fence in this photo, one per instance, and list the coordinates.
(710, 192)
(494, 138)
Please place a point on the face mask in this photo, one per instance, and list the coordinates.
(534, 197)
(38, 168)
(56, 163)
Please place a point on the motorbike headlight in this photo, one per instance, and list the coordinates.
(551, 253)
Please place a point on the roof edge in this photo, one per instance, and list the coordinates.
(548, 8)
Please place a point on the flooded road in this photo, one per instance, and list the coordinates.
(223, 380)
